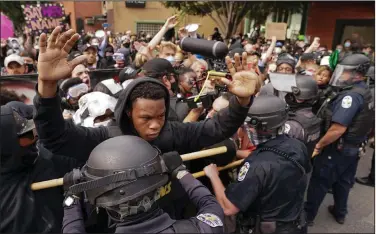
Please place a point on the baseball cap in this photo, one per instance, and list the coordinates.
(156, 67)
(86, 47)
(286, 58)
(73, 55)
(307, 57)
(13, 58)
(127, 73)
(234, 51)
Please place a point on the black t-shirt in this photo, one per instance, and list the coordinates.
(270, 185)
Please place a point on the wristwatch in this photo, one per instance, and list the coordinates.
(181, 174)
(70, 200)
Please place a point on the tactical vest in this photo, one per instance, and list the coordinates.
(311, 127)
(363, 121)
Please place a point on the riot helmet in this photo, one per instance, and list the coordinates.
(306, 88)
(371, 73)
(348, 69)
(123, 175)
(267, 113)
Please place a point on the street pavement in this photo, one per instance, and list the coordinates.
(361, 207)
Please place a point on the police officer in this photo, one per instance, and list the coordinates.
(268, 195)
(370, 179)
(302, 123)
(350, 116)
(128, 186)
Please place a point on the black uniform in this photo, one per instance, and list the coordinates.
(305, 126)
(272, 186)
(209, 217)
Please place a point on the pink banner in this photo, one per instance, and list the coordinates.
(7, 29)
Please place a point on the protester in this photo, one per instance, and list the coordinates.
(91, 52)
(72, 89)
(15, 65)
(82, 72)
(21, 165)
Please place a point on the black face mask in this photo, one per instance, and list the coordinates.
(109, 58)
(175, 87)
(127, 45)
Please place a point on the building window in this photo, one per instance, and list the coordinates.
(149, 28)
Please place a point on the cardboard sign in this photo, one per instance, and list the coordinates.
(43, 17)
(276, 29)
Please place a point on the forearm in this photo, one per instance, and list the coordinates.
(198, 194)
(331, 136)
(219, 192)
(157, 38)
(241, 154)
(269, 52)
(192, 116)
(73, 221)
(47, 89)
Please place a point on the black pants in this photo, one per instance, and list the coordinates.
(371, 175)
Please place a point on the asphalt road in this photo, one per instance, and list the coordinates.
(361, 207)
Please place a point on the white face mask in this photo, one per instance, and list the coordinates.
(277, 50)
(171, 59)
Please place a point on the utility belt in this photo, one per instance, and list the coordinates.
(256, 226)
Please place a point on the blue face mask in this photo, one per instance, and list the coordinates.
(347, 44)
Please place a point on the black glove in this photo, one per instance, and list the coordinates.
(173, 162)
(71, 178)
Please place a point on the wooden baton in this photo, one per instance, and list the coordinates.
(230, 165)
(185, 157)
(47, 184)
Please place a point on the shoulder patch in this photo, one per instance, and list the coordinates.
(287, 128)
(346, 102)
(210, 219)
(243, 171)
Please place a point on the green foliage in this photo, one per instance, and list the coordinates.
(228, 15)
(15, 13)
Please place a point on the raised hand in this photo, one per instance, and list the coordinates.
(244, 84)
(52, 60)
(183, 32)
(171, 22)
(239, 65)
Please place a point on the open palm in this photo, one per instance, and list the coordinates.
(244, 84)
(52, 60)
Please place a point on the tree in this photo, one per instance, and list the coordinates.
(228, 15)
(14, 12)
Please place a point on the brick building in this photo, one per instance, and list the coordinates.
(334, 22)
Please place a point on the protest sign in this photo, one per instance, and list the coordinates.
(43, 17)
(276, 29)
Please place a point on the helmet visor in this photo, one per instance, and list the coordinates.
(342, 76)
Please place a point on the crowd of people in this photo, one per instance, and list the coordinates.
(287, 109)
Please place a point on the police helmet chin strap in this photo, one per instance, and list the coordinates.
(126, 210)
